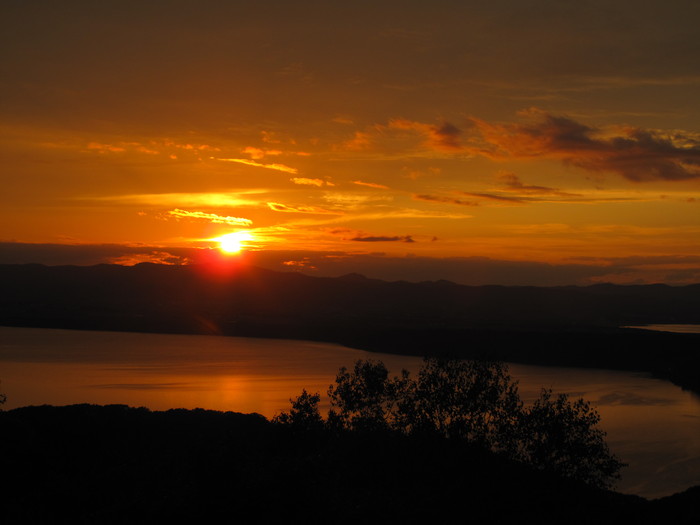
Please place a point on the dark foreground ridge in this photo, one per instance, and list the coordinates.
(569, 326)
(115, 464)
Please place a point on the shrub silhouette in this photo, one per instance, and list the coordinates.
(364, 399)
(304, 414)
(561, 436)
(475, 401)
(471, 401)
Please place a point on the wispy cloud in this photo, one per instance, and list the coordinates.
(302, 181)
(354, 200)
(510, 197)
(410, 213)
(395, 238)
(276, 206)
(401, 139)
(371, 185)
(361, 141)
(443, 137)
(259, 153)
(190, 146)
(512, 183)
(503, 199)
(105, 148)
(443, 199)
(211, 217)
(122, 147)
(248, 162)
(187, 199)
(151, 147)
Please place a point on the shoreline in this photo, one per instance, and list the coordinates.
(675, 357)
(191, 342)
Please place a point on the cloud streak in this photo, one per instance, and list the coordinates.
(442, 199)
(211, 217)
(504, 199)
(511, 182)
(248, 162)
(302, 181)
(276, 206)
(395, 238)
(186, 199)
(371, 185)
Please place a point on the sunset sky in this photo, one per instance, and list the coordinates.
(508, 142)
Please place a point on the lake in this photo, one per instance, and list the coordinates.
(651, 424)
(675, 328)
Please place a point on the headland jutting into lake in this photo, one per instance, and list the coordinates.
(566, 326)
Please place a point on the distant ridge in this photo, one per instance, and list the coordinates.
(146, 288)
(568, 325)
(357, 277)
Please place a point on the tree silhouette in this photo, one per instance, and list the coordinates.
(364, 398)
(304, 414)
(561, 436)
(475, 401)
(471, 401)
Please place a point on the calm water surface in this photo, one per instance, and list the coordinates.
(651, 424)
(676, 328)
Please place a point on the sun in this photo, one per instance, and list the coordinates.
(233, 242)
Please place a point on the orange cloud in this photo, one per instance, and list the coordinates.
(148, 151)
(304, 263)
(191, 147)
(258, 153)
(276, 206)
(512, 183)
(444, 137)
(447, 200)
(278, 167)
(211, 217)
(269, 137)
(403, 134)
(360, 141)
(104, 148)
(635, 153)
(153, 147)
(371, 184)
(494, 197)
(309, 182)
(156, 257)
(189, 199)
(255, 153)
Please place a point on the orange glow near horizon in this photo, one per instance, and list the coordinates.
(482, 161)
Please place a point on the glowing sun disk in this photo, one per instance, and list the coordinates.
(233, 242)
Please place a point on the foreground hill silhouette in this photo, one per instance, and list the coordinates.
(115, 464)
(576, 326)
